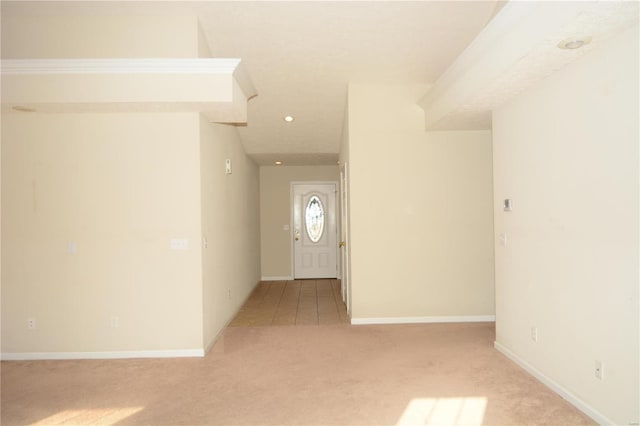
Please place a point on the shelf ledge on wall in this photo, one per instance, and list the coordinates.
(219, 88)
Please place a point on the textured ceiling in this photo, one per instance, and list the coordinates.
(599, 20)
(301, 56)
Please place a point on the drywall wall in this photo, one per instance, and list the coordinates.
(86, 36)
(345, 195)
(204, 50)
(421, 232)
(275, 213)
(0, 201)
(230, 226)
(90, 204)
(92, 201)
(566, 153)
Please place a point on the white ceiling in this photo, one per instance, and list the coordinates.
(301, 55)
(518, 48)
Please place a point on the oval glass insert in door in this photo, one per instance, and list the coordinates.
(314, 218)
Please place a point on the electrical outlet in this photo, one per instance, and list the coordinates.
(115, 322)
(72, 248)
(31, 323)
(534, 334)
(179, 244)
(599, 371)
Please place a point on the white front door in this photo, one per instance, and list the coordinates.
(315, 250)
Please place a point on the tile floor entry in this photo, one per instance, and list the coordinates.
(297, 302)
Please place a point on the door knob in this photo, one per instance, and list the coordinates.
(342, 244)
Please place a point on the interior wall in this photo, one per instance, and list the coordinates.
(345, 196)
(275, 213)
(421, 230)
(566, 153)
(90, 204)
(93, 200)
(28, 37)
(230, 226)
(204, 50)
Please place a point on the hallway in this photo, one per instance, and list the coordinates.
(299, 302)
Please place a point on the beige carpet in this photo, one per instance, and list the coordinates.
(307, 375)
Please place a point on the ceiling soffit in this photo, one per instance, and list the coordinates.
(518, 48)
(218, 88)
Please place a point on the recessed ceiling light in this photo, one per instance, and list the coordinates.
(277, 163)
(288, 119)
(574, 42)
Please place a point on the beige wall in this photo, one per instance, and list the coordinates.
(566, 152)
(230, 226)
(204, 50)
(90, 203)
(345, 197)
(420, 211)
(275, 212)
(100, 36)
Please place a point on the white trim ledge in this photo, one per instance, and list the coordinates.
(120, 66)
(283, 278)
(423, 320)
(32, 356)
(555, 386)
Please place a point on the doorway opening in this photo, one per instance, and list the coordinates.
(314, 243)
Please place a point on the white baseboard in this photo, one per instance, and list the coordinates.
(283, 278)
(555, 386)
(423, 320)
(30, 356)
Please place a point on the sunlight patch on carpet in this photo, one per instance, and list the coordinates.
(444, 412)
(94, 416)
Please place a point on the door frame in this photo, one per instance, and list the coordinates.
(344, 237)
(292, 224)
